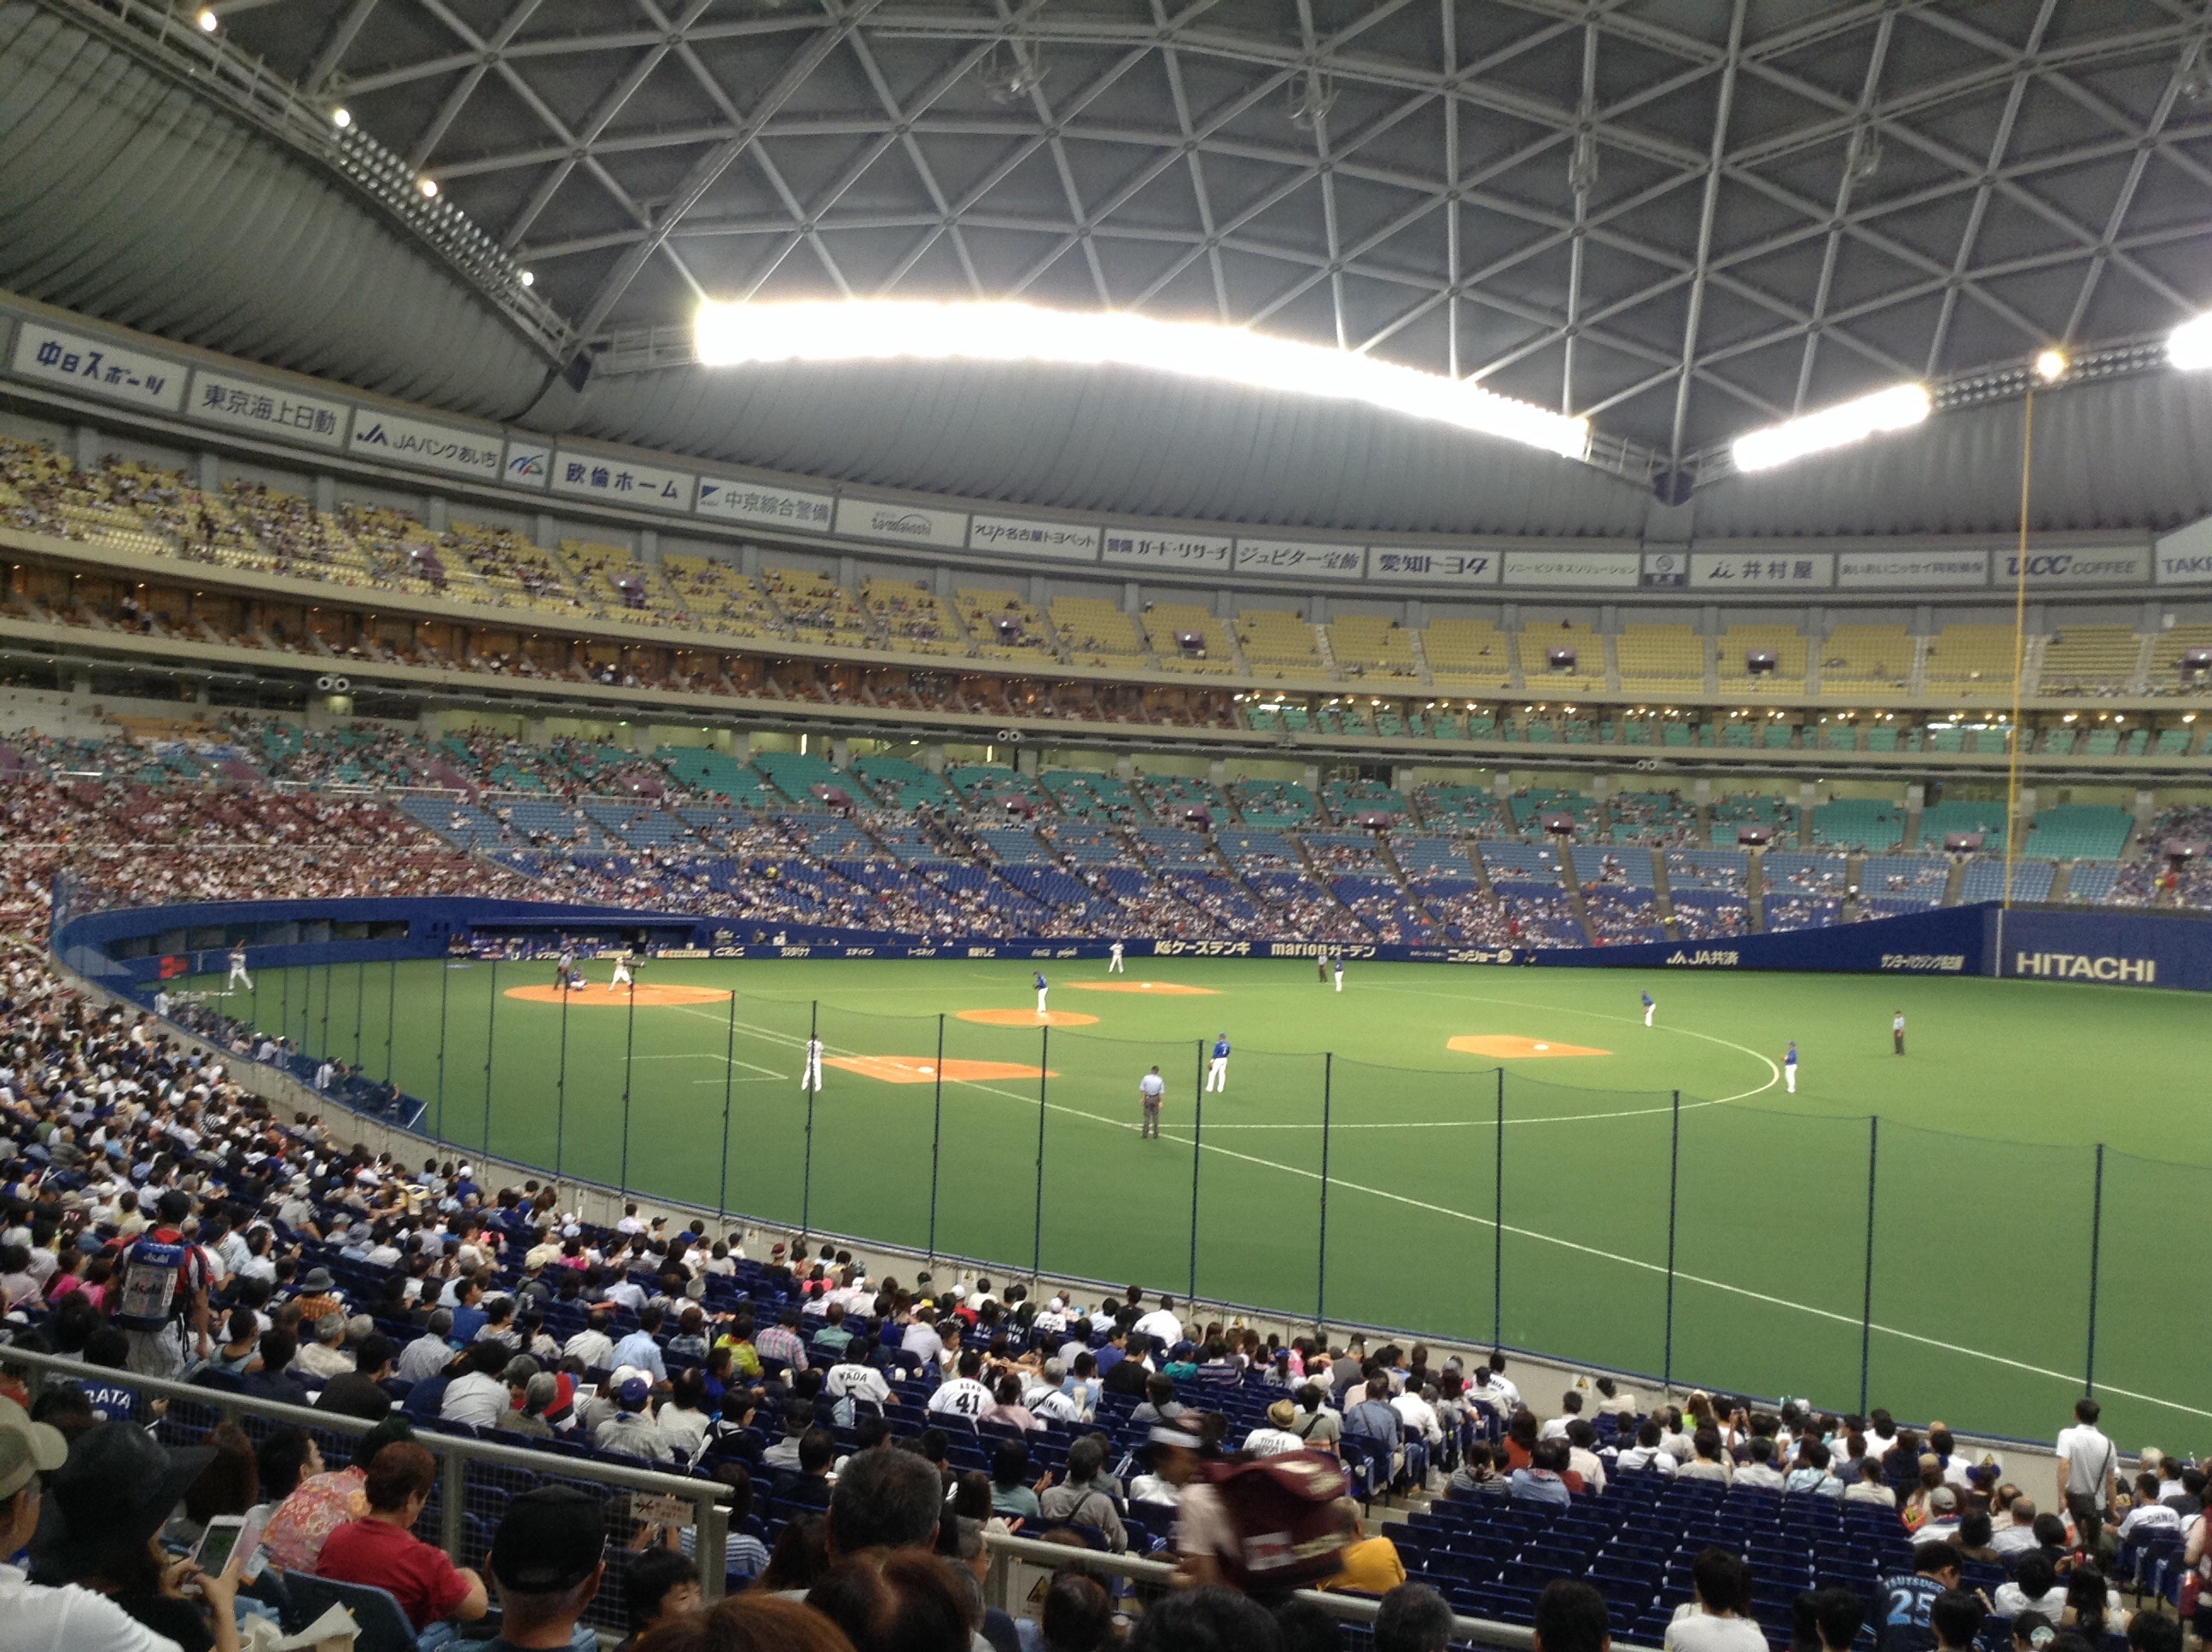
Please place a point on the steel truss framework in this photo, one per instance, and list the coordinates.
(1682, 220)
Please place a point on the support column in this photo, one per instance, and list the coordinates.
(933, 757)
(327, 493)
(435, 516)
(211, 473)
(648, 547)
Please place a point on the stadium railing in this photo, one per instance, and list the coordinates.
(475, 1477)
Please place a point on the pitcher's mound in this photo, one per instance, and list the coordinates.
(923, 1069)
(1157, 989)
(597, 997)
(1028, 1018)
(1500, 1048)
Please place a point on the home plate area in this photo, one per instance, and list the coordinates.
(1500, 1047)
(925, 1069)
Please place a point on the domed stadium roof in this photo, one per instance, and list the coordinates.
(1683, 221)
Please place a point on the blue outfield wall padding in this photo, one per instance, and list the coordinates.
(1947, 941)
(2126, 947)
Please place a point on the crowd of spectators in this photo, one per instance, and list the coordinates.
(867, 1430)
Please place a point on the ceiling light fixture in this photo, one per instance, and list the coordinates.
(208, 20)
(892, 328)
(2050, 365)
(1895, 409)
(2189, 346)
(342, 118)
(429, 188)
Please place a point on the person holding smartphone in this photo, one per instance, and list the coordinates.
(113, 1495)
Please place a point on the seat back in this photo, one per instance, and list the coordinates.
(383, 1624)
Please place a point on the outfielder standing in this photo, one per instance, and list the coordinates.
(1043, 987)
(1789, 1068)
(1216, 1070)
(238, 976)
(811, 1078)
(1650, 1006)
(1114, 959)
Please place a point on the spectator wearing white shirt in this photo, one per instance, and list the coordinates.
(1570, 1407)
(1419, 1413)
(1582, 1454)
(430, 1353)
(1647, 1453)
(479, 1396)
(592, 1345)
(1714, 1621)
(921, 1339)
(963, 1394)
(1276, 1438)
(2149, 1513)
(853, 1378)
(1760, 1471)
(1161, 1324)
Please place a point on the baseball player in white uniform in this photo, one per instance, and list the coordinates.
(1789, 1068)
(238, 976)
(1042, 987)
(1114, 959)
(621, 976)
(811, 1078)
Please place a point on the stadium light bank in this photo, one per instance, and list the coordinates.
(1897, 408)
(887, 329)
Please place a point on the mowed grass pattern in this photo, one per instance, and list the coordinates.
(1984, 1155)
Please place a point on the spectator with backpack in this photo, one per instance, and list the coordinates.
(162, 1304)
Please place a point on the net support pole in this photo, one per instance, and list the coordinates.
(729, 1070)
(936, 1133)
(2019, 657)
(1197, 1133)
(807, 1169)
(1036, 1233)
(391, 1011)
(1497, 1225)
(1674, 1186)
(630, 1047)
(491, 1023)
(445, 985)
(324, 1054)
(259, 1028)
(1866, 1301)
(2096, 1243)
(560, 1090)
(360, 1007)
(1321, 1264)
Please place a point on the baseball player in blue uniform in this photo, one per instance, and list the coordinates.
(1216, 1070)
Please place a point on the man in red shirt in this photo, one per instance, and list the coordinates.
(381, 1550)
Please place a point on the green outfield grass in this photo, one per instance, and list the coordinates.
(1982, 1204)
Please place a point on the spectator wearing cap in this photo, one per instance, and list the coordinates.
(1276, 1438)
(111, 1498)
(67, 1618)
(318, 1296)
(1942, 1525)
(359, 1392)
(548, 1558)
(381, 1549)
(631, 1429)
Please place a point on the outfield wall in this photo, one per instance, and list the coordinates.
(129, 945)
